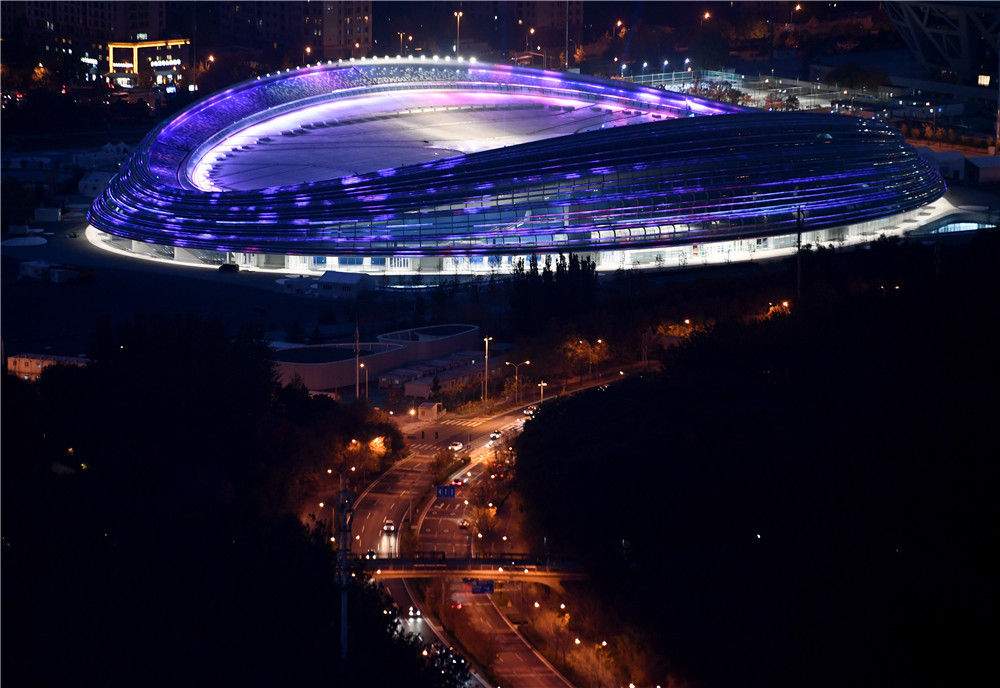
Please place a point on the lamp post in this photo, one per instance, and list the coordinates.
(566, 53)
(796, 8)
(486, 370)
(458, 32)
(517, 396)
(531, 32)
(366, 379)
(306, 53)
(541, 389)
(333, 515)
(401, 34)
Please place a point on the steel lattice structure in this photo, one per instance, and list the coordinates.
(956, 38)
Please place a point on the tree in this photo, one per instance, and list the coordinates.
(851, 75)
(711, 50)
(42, 76)
(168, 541)
(296, 334)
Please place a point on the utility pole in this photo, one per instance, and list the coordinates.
(996, 134)
(486, 370)
(798, 255)
(344, 503)
(566, 59)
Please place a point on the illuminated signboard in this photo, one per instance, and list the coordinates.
(164, 63)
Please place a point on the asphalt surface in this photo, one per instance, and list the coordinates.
(517, 664)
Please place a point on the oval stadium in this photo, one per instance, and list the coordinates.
(427, 166)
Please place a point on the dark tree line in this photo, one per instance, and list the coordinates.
(539, 293)
(148, 537)
(808, 499)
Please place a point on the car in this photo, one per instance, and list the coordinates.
(464, 523)
(458, 482)
(389, 526)
(414, 612)
(229, 267)
(530, 411)
(456, 446)
(370, 554)
(495, 435)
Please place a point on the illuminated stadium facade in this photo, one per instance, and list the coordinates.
(406, 166)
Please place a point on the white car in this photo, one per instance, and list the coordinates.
(456, 446)
(389, 526)
(495, 435)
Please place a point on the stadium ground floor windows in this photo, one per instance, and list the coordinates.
(925, 220)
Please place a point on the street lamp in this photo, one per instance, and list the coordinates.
(333, 517)
(366, 379)
(531, 32)
(666, 62)
(458, 31)
(401, 34)
(486, 370)
(517, 397)
(541, 389)
(307, 52)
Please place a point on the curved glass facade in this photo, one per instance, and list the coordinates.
(691, 172)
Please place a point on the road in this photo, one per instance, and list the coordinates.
(517, 664)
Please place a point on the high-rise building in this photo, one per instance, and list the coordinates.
(300, 31)
(73, 36)
(347, 29)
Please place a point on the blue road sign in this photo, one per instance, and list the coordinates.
(481, 587)
(445, 491)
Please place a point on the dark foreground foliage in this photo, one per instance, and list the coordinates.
(803, 500)
(145, 542)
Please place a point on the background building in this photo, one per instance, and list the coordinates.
(71, 38)
(299, 32)
(30, 366)
(490, 165)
